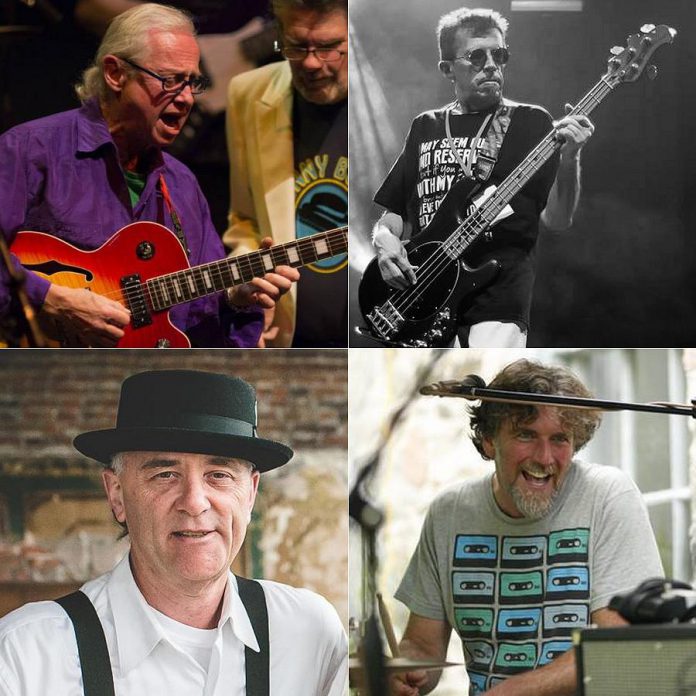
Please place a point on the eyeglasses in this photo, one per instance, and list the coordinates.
(299, 53)
(175, 83)
(479, 56)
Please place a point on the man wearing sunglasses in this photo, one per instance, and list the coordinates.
(438, 152)
(84, 174)
(287, 132)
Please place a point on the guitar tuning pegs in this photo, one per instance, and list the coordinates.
(616, 50)
(651, 71)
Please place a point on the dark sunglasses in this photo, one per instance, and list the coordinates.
(479, 56)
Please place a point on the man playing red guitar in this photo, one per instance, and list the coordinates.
(82, 175)
(438, 152)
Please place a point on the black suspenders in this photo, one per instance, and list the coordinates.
(91, 644)
(257, 663)
(94, 655)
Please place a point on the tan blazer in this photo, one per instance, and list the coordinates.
(262, 180)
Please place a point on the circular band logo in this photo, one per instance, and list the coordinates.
(323, 206)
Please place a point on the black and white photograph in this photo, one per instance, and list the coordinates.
(581, 113)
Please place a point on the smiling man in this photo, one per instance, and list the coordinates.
(478, 139)
(517, 559)
(181, 473)
(84, 174)
(287, 136)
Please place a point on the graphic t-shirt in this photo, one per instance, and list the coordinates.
(320, 138)
(427, 168)
(514, 589)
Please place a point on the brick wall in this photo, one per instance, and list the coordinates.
(47, 397)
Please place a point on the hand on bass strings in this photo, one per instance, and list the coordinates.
(392, 259)
(573, 131)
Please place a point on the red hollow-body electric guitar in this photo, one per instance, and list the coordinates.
(144, 267)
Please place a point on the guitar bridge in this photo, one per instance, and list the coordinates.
(134, 293)
(386, 320)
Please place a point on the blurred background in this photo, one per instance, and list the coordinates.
(56, 528)
(429, 450)
(624, 273)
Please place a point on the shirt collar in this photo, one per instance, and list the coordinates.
(235, 614)
(137, 630)
(92, 131)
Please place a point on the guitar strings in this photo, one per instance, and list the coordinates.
(439, 260)
(253, 260)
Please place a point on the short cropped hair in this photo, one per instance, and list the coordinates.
(478, 22)
(127, 37)
(532, 376)
(321, 6)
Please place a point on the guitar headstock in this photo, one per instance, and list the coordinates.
(626, 64)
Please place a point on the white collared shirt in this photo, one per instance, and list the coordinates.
(38, 651)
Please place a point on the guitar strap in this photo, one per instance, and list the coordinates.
(174, 215)
(493, 130)
(97, 678)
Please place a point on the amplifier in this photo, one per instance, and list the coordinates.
(649, 660)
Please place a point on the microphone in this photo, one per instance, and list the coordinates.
(466, 386)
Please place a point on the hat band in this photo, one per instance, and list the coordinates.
(196, 421)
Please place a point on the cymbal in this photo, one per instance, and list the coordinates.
(394, 665)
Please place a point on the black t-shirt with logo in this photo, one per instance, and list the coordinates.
(426, 169)
(320, 138)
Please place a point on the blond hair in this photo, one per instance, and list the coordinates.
(127, 37)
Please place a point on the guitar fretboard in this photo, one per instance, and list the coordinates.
(484, 216)
(189, 284)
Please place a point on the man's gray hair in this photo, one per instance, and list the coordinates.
(127, 37)
(118, 461)
(478, 22)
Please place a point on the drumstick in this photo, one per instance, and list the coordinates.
(387, 624)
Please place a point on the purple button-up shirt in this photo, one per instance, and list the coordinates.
(61, 175)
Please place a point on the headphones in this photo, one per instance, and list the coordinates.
(657, 600)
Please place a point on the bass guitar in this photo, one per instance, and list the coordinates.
(144, 267)
(425, 314)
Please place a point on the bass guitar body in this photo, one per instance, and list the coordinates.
(425, 314)
(117, 270)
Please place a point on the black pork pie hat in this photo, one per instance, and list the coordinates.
(185, 411)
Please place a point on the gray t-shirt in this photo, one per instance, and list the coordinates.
(514, 589)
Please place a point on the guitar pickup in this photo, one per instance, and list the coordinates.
(134, 294)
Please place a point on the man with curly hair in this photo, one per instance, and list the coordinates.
(517, 559)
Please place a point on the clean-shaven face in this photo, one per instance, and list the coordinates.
(151, 116)
(187, 514)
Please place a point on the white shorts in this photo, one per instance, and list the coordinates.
(496, 334)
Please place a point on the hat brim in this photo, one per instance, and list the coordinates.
(103, 444)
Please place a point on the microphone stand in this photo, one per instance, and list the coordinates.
(475, 393)
(370, 518)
